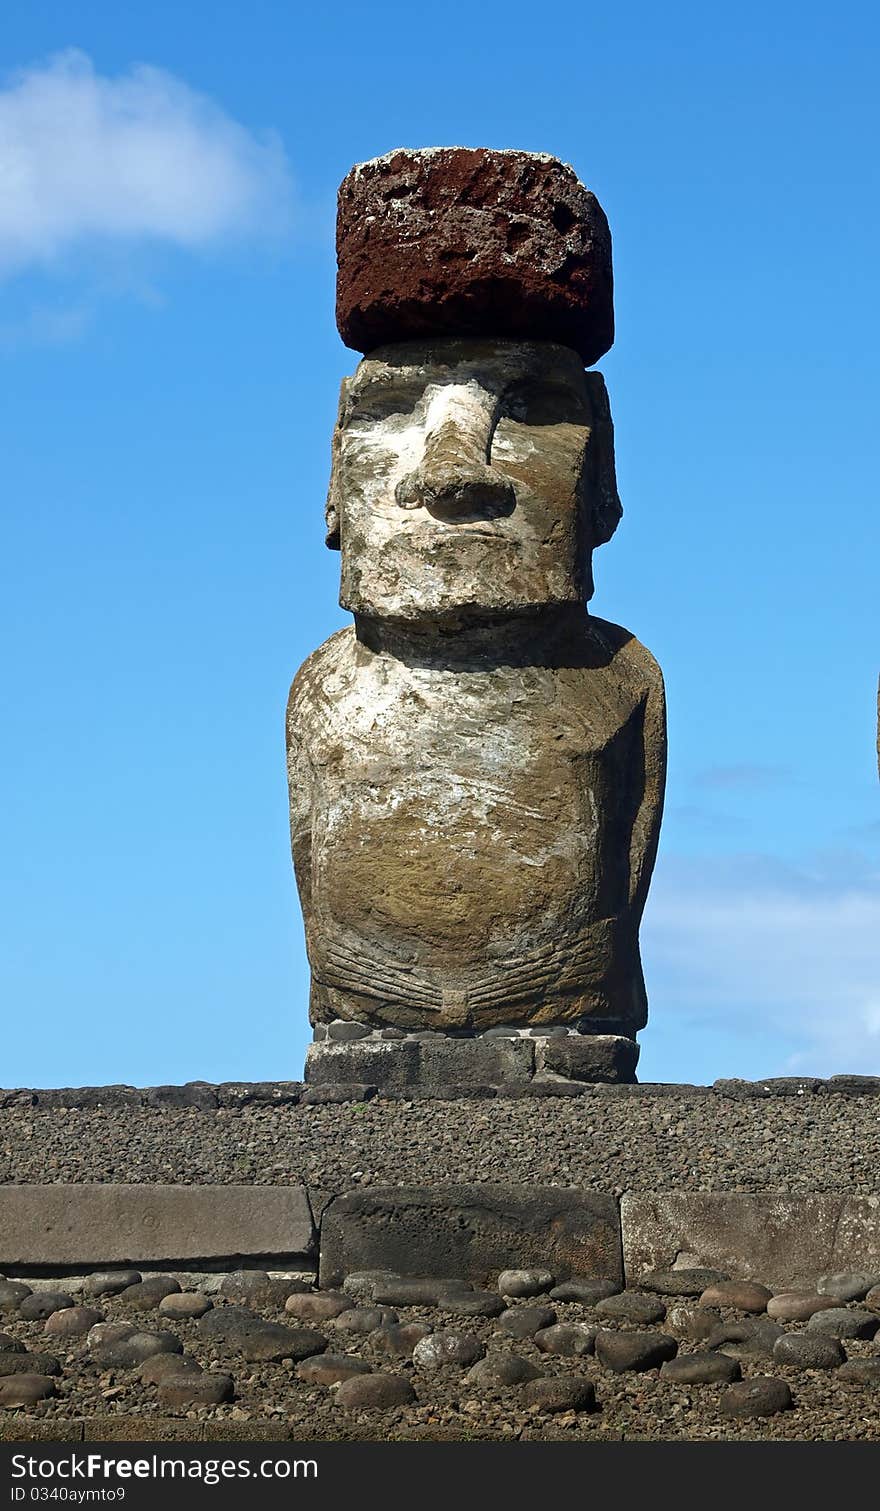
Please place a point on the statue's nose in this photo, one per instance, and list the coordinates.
(454, 480)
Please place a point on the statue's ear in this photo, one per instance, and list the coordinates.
(331, 511)
(607, 507)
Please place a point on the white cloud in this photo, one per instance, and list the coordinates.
(788, 956)
(85, 158)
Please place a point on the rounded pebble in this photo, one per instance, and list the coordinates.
(525, 1321)
(702, 1368)
(797, 1306)
(622, 1351)
(317, 1307)
(189, 1389)
(762, 1396)
(844, 1322)
(110, 1282)
(520, 1283)
(560, 1393)
(632, 1306)
(740, 1295)
(25, 1390)
(41, 1304)
(570, 1339)
(501, 1369)
(363, 1392)
(185, 1304)
(447, 1348)
(330, 1369)
(803, 1351)
(72, 1321)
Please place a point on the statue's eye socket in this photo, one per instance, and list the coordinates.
(535, 403)
(383, 401)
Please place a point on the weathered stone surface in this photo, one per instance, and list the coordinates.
(147, 1294)
(165, 1366)
(751, 1338)
(117, 1345)
(571, 1339)
(632, 1306)
(703, 1368)
(741, 1295)
(783, 1241)
(473, 1304)
(560, 1393)
(759, 1397)
(374, 1392)
(186, 1304)
(192, 1094)
(415, 1291)
(801, 1351)
(447, 881)
(399, 1339)
(320, 1307)
(680, 1282)
(25, 1389)
(340, 1091)
(94, 1224)
(859, 1372)
(460, 241)
(696, 1323)
(526, 1321)
(586, 1291)
(499, 1369)
(401, 1065)
(844, 1322)
(255, 1288)
(272, 1342)
(445, 1347)
(41, 1304)
(590, 1057)
(797, 1306)
(72, 1321)
(12, 1294)
(17, 1362)
(519, 1283)
(622, 1351)
(190, 1389)
(268, 1093)
(110, 1282)
(847, 1285)
(470, 1232)
(330, 1369)
(366, 1319)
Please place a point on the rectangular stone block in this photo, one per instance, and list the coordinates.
(470, 1232)
(780, 1239)
(129, 1224)
(395, 1064)
(590, 1057)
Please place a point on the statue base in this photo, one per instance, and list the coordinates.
(392, 1060)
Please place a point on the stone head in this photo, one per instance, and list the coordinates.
(471, 479)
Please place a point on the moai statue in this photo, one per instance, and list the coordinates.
(477, 764)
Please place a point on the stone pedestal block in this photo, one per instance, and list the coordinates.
(471, 1232)
(396, 1064)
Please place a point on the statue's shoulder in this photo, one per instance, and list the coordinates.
(630, 658)
(310, 685)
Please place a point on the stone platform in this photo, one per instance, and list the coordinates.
(504, 1059)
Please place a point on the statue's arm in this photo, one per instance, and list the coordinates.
(646, 826)
(300, 785)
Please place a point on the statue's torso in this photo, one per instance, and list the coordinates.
(470, 831)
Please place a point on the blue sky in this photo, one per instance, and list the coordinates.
(170, 379)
